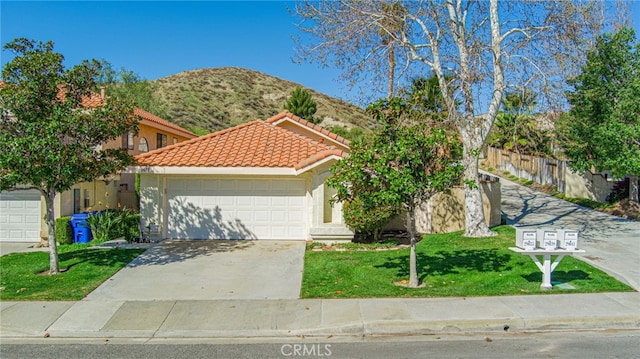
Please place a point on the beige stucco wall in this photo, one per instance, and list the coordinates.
(101, 195)
(150, 134)
(445, 212)
(327, 222)
(587, 185)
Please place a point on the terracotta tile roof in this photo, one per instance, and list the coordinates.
(317, 128)
(92, 101)
(147, 116)
(253, 144)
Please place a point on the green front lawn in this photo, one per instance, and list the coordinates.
(449, 265)
(23, 276)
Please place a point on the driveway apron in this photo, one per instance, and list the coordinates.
(209, 269)
(611, 243)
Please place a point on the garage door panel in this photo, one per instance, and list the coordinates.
(261, 216)
(244, 201)
(262, 201)
(295, 217)
(260, 209)
(20, 216)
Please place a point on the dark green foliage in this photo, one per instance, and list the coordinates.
(52, 145)
(397, 168)
(602, 129)
(128, 85)
(516, 128)
(620, 191)
(302, 104)
(64, 231)
(425, 94)
(112, 224)
(48, 136)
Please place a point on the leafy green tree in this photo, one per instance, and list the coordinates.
(302, 104)
(399, 168)
(128, 85)
(516, 128)
(602, 129)
(49, 140)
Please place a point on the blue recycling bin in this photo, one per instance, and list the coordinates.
(81, 231)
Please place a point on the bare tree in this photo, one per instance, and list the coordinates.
(475, 48)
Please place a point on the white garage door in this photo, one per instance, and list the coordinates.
(20, 216)
(236, 209)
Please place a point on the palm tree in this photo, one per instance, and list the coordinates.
(391, 24)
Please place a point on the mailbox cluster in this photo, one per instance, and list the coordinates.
(547, 239)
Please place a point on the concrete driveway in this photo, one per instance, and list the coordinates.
(611, 243)
(209, 269)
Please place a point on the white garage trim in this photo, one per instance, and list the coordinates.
(236, 208)
(20, 216)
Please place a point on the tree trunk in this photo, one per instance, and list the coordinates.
(392, 67)
(633, 189)
(475, 225)
(54, 264)
(411, 227)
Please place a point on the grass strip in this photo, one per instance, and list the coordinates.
(23, 276)
(448, 265)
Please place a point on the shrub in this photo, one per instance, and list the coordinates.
(620, 191)
(64, 231)
(129, 225)
(112, 224)
(367, 222)
(104, 225)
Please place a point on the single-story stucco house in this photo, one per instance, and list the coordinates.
(259, 180)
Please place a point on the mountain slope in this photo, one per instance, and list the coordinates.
(217, 98)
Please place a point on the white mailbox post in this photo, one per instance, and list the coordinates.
(548, 242)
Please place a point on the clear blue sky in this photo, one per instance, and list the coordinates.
(161, 38)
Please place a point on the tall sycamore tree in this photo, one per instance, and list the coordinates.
(50, 138)
(484, 46)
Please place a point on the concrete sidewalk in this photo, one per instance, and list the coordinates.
(318, 317)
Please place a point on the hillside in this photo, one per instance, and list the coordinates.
(217, 98)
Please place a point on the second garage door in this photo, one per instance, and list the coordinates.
(236, 209)
(20, 216)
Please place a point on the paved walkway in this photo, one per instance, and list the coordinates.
(20, 247)
(611, 243)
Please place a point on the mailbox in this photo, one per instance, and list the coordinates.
(568, 239)
(526, 238)
(547, 239)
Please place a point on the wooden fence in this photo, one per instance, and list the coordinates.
(595, 186)
(538, 169)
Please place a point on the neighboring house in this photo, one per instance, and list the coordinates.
(258, 180)
(22, 211)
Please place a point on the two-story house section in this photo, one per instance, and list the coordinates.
(22, 211)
